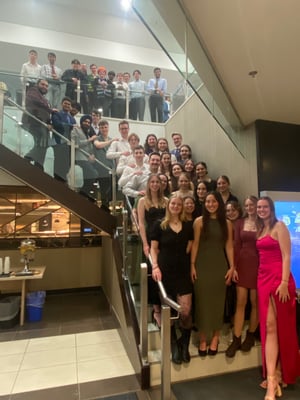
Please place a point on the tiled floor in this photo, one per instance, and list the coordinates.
(75, 352)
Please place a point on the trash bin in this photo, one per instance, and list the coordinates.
(34, 305)
(9, 311)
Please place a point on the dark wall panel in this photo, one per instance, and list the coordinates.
(278, 156)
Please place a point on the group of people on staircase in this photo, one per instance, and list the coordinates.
(199, 257)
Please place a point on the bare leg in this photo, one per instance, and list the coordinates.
(239, 316)
(271, 350)
(215, 341)
(185, 302)
(254, 313)
(202, 344)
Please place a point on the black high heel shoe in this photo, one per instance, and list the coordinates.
(212, 352)
(156, 318)
(202, 353)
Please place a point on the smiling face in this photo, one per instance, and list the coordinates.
(184, 152)
(188, 205)
(133, 141)
(189, 166)
(162, 145)
(232, 213)
(166, 159)
(154, 184)
(124, 130)
(151, 141)
(222, 185)
(201, 191)
(211, 204)
(177, 139)
(201, 171)
(175, 206)
(183, 182)
(250, 207)
(176, 170)
(164, 182)
(263, 209)
(154, 163)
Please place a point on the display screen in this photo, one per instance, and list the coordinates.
(289, 213)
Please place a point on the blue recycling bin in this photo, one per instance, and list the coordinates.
(34, 305)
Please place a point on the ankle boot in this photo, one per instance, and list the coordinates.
(175, 347)
(249, 342)
(184, 341)
(234, 347)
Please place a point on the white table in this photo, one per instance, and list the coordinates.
(38, 273)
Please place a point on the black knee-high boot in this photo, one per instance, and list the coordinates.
(175, 348)
(184, 342)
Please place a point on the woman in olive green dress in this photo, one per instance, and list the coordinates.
(212, 268)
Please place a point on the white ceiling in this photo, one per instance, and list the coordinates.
(240, 36)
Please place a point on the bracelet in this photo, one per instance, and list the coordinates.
(154, 268)
(283, 280)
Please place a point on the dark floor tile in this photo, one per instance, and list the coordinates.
(60, 393)
(7, 336)
(128, 396)
(36, 333)
(108, 387)
(67, 329)
(226, 387)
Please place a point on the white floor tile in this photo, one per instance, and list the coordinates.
(110, 335)
(100, 351)
(51, 343)
(42, 378)
(10, 363)
(104, 369)
(13, 347)
(41, 359)
(7, 381)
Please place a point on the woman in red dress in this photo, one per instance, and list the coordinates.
(276, 300)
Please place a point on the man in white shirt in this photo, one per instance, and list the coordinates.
(121, 147)
(31, 70)
(53, 74)
(118, 107)
(137, 90)
(157, 87)
(134, 179)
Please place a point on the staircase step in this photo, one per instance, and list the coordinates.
(200, 367)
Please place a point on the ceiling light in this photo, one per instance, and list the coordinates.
(126, 4)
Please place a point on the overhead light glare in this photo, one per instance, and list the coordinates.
(126, 4)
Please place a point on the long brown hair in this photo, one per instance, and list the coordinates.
(221, 217)
(273, 219)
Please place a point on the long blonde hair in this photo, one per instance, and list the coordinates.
(166, 221)
(160, 194)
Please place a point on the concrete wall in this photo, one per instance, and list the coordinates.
(211, 144)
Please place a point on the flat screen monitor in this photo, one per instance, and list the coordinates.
(287, 207)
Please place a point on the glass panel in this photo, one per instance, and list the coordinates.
(177, 38)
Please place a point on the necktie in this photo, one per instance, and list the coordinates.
(52, 70)
(156, 84)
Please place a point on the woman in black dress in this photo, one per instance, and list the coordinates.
(151, 208)
(171, 243)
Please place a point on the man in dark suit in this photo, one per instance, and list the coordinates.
(37, 105)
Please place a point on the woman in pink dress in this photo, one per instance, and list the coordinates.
(276, 300)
